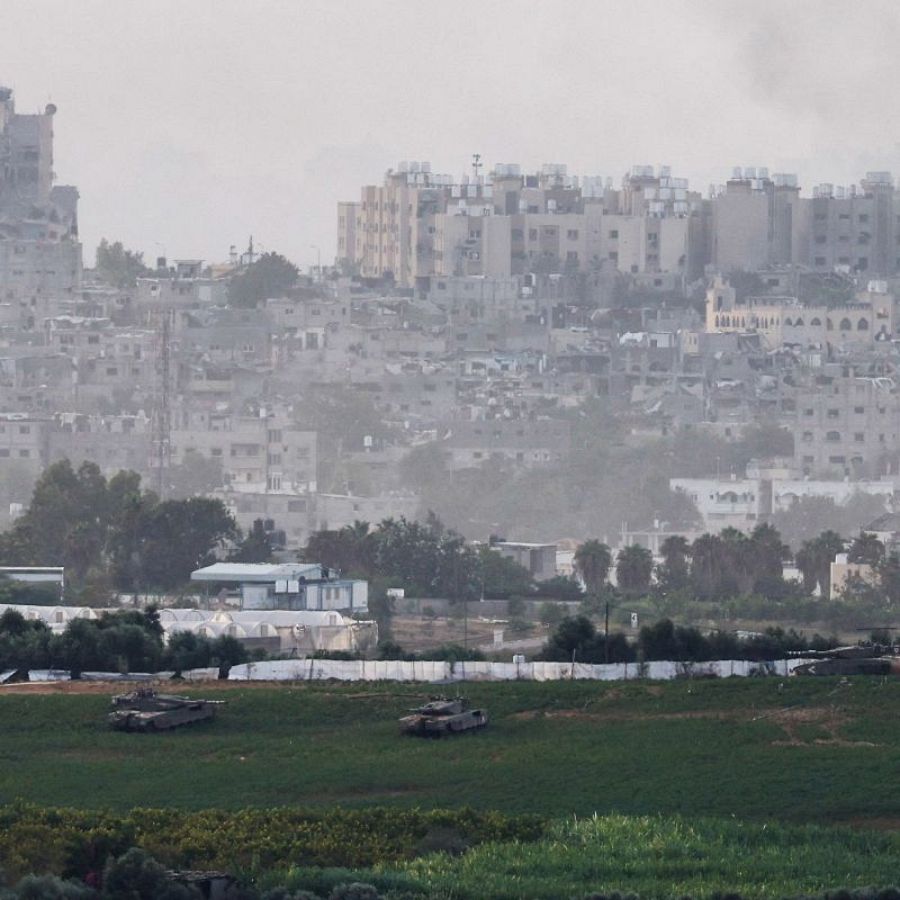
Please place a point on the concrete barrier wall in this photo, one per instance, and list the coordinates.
(433, 671)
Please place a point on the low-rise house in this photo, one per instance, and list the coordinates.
(286, 586)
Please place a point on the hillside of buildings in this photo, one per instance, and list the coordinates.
(536, 361)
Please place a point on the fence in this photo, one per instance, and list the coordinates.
(437, 672)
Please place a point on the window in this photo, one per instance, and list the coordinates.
(296, 506)
(572, 234)
(833, 413)
(24, 429)
(614, 235)
(24, 454)
(4, 452)
(859, 410)
(833, 437)
(859, 437)
(274, 435)
(274, 459)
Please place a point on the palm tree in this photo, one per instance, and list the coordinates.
(814, 560)
(593, 560)
(674, 573)
(866, 548)
(707, 565)
(634, 569)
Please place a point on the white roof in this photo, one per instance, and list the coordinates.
(258, 572)
(191, 619)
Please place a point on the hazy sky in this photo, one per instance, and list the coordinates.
(188, 126)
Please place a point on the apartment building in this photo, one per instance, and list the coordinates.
(845, 425)
(522, 443)
(40, 257)
(417, 226)
(258, 454)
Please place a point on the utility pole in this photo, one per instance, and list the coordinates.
(606, 634)
(476, 164)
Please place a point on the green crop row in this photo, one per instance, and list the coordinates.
(73, 842)
(663, 857)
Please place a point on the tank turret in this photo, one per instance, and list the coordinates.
(443, 716)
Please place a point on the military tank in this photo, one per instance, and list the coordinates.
(441, 716)
(862, 659)
(147, 710)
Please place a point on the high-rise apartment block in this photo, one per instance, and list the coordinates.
(419, 224)
(40, 256)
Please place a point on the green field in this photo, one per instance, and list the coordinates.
(812, 751)
(699, 786)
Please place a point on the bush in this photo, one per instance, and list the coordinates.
(354, 891)
(551, 613)
(49, 887)
(137, 876)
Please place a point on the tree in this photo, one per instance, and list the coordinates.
(578, 638)
(118, 266)
(803, 520)
(746, 284)
(49, 887)
(593, 560)
(708, 566)
(179, 537)
(256, 547)
(137, 876)
(501, 576)
(195, 474)
(66, 522)
(889, 578)
(814, 559)
(270, 276)
(634, 569)
(350, 550)
(866, 549)
(673, 573)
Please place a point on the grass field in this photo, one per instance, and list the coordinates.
(702, 788)
(812, 751)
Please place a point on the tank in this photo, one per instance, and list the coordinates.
(146, 710)
(862, 659)
(441, 716)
